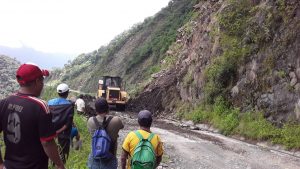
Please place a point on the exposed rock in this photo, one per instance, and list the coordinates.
(194, 128)
(292, 75)
(189, 123)
(297, 87)
(265, 101)
(298, 73)
(293, 82)
(297, 109)
(234, 91)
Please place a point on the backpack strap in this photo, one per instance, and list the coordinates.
(150, 137)
(104, 123)
(139, 135)
(97, 122)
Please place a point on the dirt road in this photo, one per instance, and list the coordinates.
(185, 149)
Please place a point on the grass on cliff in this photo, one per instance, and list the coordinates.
(251, 125)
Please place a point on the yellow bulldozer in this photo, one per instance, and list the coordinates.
(110, 87)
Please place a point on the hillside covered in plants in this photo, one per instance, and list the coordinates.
(234, 64)
(8, 68)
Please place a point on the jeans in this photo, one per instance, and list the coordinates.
(102, 164)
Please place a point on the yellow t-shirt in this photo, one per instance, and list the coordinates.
(132, 140)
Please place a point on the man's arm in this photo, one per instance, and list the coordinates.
(50, 149)
(1, 161)
(61, 129)
(158, 160)
(124, 157)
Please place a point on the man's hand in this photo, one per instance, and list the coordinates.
(1, 160)
(60, 167)
(50, 149)
(124, 157)
(61, 129)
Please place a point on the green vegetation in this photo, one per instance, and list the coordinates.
(240, 34)
(177, 15)
(78, 158)
(251, 125)
(223, 70)
(8, 68)
(188, 79)
(289, 136)
(281, 74)
(153, 69)
(49, 92)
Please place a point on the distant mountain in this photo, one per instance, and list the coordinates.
(45, 60)
(8, 67)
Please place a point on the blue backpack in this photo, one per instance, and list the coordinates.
(101, 141)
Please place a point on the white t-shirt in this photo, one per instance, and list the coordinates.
(80, 105)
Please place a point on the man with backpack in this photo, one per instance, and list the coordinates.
(104, 129)
(144, 147)
(62, 111)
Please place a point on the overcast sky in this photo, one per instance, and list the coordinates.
(70, 26)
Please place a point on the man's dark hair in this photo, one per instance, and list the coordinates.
(145, 122)
(101, 105)
(80, 96)
(145, 118)
(28, 84)
(64, 95)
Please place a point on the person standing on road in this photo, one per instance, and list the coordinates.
(113, 128)
(62, 111)
(26, 123)
(132, 140)
(80, 105)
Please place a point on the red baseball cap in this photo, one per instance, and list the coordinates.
(28, 72)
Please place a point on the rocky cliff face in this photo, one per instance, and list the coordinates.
(8, 67)
(246, 51)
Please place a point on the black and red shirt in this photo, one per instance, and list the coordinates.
(26, 122)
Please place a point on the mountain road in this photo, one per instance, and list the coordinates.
(186, 149)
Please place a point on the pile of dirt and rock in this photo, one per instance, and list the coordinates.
(153, 98)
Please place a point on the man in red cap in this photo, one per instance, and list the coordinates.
(27, 124)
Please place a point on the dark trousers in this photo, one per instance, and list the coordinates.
(64, 148)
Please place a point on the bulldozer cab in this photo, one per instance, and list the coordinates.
(110, 87)
(109, 81)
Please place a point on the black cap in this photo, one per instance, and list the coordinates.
(145, 118)
(101, 105)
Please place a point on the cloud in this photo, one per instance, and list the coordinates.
(70, 26)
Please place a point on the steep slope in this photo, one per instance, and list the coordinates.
(8, 67)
